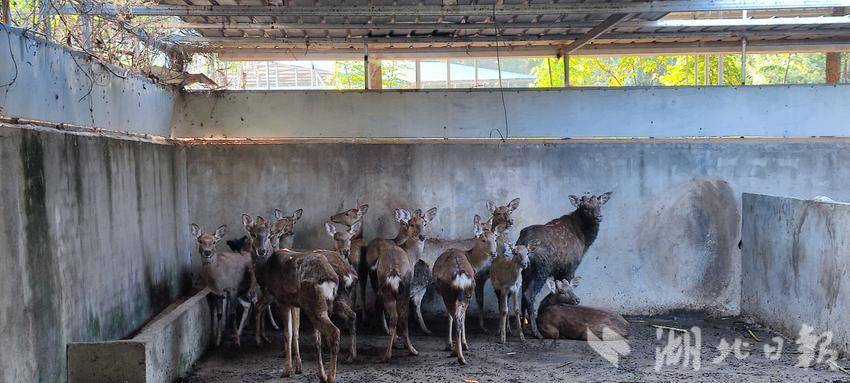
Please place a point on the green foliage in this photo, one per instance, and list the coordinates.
(349, 75)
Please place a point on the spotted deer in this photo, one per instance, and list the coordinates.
(369, 259)
(227, 275)
(500, 223)
(562, 318)
(454, 279)
(562, 244)
(303, 282)
(506, 277)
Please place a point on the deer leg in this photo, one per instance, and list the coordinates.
(271, 317)
(363, 279)
(479, 299)
(330, 333)
(246, 309)
(459, 317)
(464, 307)
(403, 314)
(285, 313)
(258, 322)
(295, 313)
(320, 366)
(417, 304)
(349, 317)
(450, 344)
(390, 305)
(516, 311)
(222, 324)
(530, 295)
(503, 315)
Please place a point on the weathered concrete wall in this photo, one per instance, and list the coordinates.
(44, 81)
(92, 230)
(797, 111)
(795, 265)
(671, 229)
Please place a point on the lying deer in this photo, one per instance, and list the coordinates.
(367, 266)
(562, 318)
(506, 277)
(227, 275)
(500, 223)
(563, 243)
(454, 278)
(307, 282)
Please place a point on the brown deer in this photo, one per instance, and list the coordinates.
(500, 223)
(303, 281)
(227, 275)
(344, 304)
(506, 277)
(286, 235)
(358, 244)
(562, 244)
(562, 318)
(454, 279)
(394, 273)
(366, 270)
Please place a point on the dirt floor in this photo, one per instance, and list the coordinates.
(534, 360)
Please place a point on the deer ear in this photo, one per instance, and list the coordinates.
(490, 206)
(195, 230)
(407, 215)
(330, 228)
(552, 285)
(476, 228)
(278, 214)
(355, 227)
(247, 220)
(398, 215)
(278, 225)
(514, 204)
(297, 215)
(574, 200)
(363, 209)
(575, 281)
(219, 233)
(605, 197)
(431, 214)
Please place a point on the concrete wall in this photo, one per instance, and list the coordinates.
(795, 265)
(44, 81)
(671, 230)
(800, 111)
(94, 245)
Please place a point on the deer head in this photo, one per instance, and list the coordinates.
(207, 242)
(284, 227)
(564, 290)
(485, 239)
(259, 236)
(501, 220)
(590, 206)
(419, 221)
(521, 253)
(350, 216)
(342, 239)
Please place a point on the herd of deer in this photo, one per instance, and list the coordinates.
(263, 270)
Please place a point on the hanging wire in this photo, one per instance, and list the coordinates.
(501, 87)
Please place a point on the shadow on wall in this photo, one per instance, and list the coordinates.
(699, 217)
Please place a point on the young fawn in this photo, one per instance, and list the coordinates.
(454, 278)
(227, 275)
(506, 277)
(343, 308)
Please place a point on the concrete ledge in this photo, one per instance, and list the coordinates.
(163, 351)
(795, 265)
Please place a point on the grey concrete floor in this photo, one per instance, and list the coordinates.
(532, 360)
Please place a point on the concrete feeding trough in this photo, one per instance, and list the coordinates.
(164, 350)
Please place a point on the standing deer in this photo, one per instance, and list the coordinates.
(358, 244)
(227, 275)
(562, 318)
(506, 277)
(500, 223)
(562, 244)
(367, 266)
(454, 278)
(344, 304)
(394, 273)
(306, 282)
